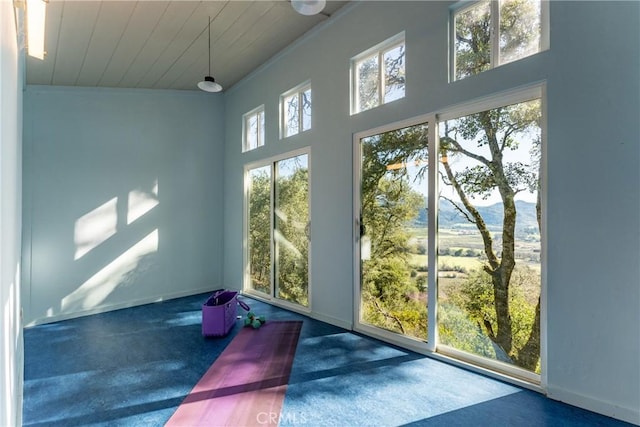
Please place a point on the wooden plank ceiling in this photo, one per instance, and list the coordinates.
(163, 44)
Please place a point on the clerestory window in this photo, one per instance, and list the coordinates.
(295, 110)
(378, 75)
(253, 129)
(486, 34)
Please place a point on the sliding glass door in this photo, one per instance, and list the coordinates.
(278, 229)
(449, 233)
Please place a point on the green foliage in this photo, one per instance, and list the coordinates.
(474, 305)
(473, 36)
(457, 330)
(292, 236)
(519, 34)
(387, 300)
(389, 204)
(260, 230)
(291, 232)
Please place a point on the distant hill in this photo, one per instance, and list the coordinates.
(449, 217)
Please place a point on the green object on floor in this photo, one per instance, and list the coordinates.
(253, 320)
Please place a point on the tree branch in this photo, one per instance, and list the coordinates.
(459, 149)
(388, 315)
(459, 209)
(487, 240)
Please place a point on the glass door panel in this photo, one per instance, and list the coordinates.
(291, 229)
(489, 234)
(393, 231)
(259, 229)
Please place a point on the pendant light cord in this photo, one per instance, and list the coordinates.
(209, 28)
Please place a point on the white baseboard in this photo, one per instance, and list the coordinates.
(301, 310)
(331, 320)
(118, 306)
(630, 415)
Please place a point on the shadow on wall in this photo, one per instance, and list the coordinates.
(99, 227)
(122, 193)
(103, 258)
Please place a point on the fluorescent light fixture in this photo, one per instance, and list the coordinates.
(36, 14)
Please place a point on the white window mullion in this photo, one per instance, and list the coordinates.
(381, 78)
(261, 130)
(544, 25)
(355, 93)
(300, 108)
(495, 33)
(272, 239)
(432, 236)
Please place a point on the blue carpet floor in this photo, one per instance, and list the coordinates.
(133, 367)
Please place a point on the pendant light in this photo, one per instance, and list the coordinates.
(308, 7)
(209, 84)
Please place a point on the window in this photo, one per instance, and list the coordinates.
(378, 75)
(489, 276)
(487, 34)
(295, 111)
(277, 229)
(253, 129)
(393, 230)
(449, 232)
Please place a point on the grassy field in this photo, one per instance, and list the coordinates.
(453, 270)
(451, 240)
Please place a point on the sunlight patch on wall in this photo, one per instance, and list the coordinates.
(141, 202)
(95, 290)
(8, 345)
(95, 227)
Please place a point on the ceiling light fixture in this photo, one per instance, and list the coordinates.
(36, 17)
(209, 84)
(308, 7)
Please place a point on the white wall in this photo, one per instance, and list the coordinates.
(593, 158)
(594, 206)
(122, 198)
(11, 347)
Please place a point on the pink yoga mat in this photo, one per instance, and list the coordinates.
(246, 384)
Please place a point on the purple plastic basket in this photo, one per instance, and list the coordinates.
(219, 313)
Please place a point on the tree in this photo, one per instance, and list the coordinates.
(518, 34)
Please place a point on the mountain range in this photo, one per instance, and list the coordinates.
(450, 217)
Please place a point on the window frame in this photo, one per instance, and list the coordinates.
(271, 298)
(378, 50)
(494, 11)
(260, 134)
(433, 347)
(297, 91)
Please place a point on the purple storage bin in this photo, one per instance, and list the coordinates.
(219, 313)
